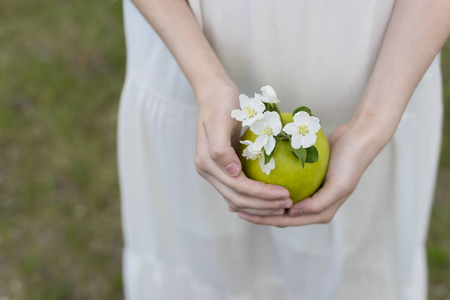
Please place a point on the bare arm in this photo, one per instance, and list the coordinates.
(416, 32)
(175, 23)
(216, 95)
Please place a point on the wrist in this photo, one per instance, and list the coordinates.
(214, 85)
(374, 131)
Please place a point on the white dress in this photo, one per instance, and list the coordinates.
(181, 242)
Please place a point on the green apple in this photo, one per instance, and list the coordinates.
(301, 182)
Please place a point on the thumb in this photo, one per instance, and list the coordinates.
(221, 150)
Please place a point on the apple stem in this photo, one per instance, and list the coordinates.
(283, 136)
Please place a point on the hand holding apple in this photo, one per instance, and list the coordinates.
(216, 159)
(260, 159)
(282, 148)
(344, 172)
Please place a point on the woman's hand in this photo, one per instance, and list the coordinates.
(216, 160)
(349, 158)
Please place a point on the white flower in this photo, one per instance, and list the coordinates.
(266, 128)
(268, 95)
(303, 130)
(251, 110)
(267, 168)
(251, 153)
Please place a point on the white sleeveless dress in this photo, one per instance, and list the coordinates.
(181, 242)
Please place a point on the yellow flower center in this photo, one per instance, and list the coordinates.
(249, 111)
(267, 130)
(303, 130)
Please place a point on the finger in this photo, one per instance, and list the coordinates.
(287, 220)
(247, 187)
(250, 205)
(231, 208)
(330, 197)
(259, 212)
(331, 192)
(263, 212)
(241, 184)
(281, 221)
(218, 133)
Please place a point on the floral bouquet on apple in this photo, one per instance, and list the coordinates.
(285, 149)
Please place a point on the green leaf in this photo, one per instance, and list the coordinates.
(267, 158)
(312, 155)
(302, 108)
(300, 154)
(269, 107)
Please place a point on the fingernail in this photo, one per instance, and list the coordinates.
(277, 212)
(296, 213)
(232, 168)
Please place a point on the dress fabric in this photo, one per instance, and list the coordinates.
(181, 242)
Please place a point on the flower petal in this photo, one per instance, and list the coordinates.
(259, 107)
(246, 142)
(247, 154)
(271, 118)
(276, 128)
(256, 104)
(255, 152)
(244, 101)
(259, 96)
(269, 95)
(267, 168)
(269, 145)
(268, 90)
(248, 122)
(257, 126)
(260, 142)
(238, 114)
(313, 124)
(259, 116)
(263, 98)
(308, 140)
(296, 141)
(263, 167)
(301, 118)
(271, 164)
(275, 100)
(291, 128)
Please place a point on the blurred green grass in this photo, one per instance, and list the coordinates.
(62, 65)
(438, 244)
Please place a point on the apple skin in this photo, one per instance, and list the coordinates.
(289, 173)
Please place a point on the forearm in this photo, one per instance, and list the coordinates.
(175, 23)
(416, 32)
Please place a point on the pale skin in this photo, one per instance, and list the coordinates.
(416, 32)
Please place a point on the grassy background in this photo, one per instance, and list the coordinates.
(61, 72)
